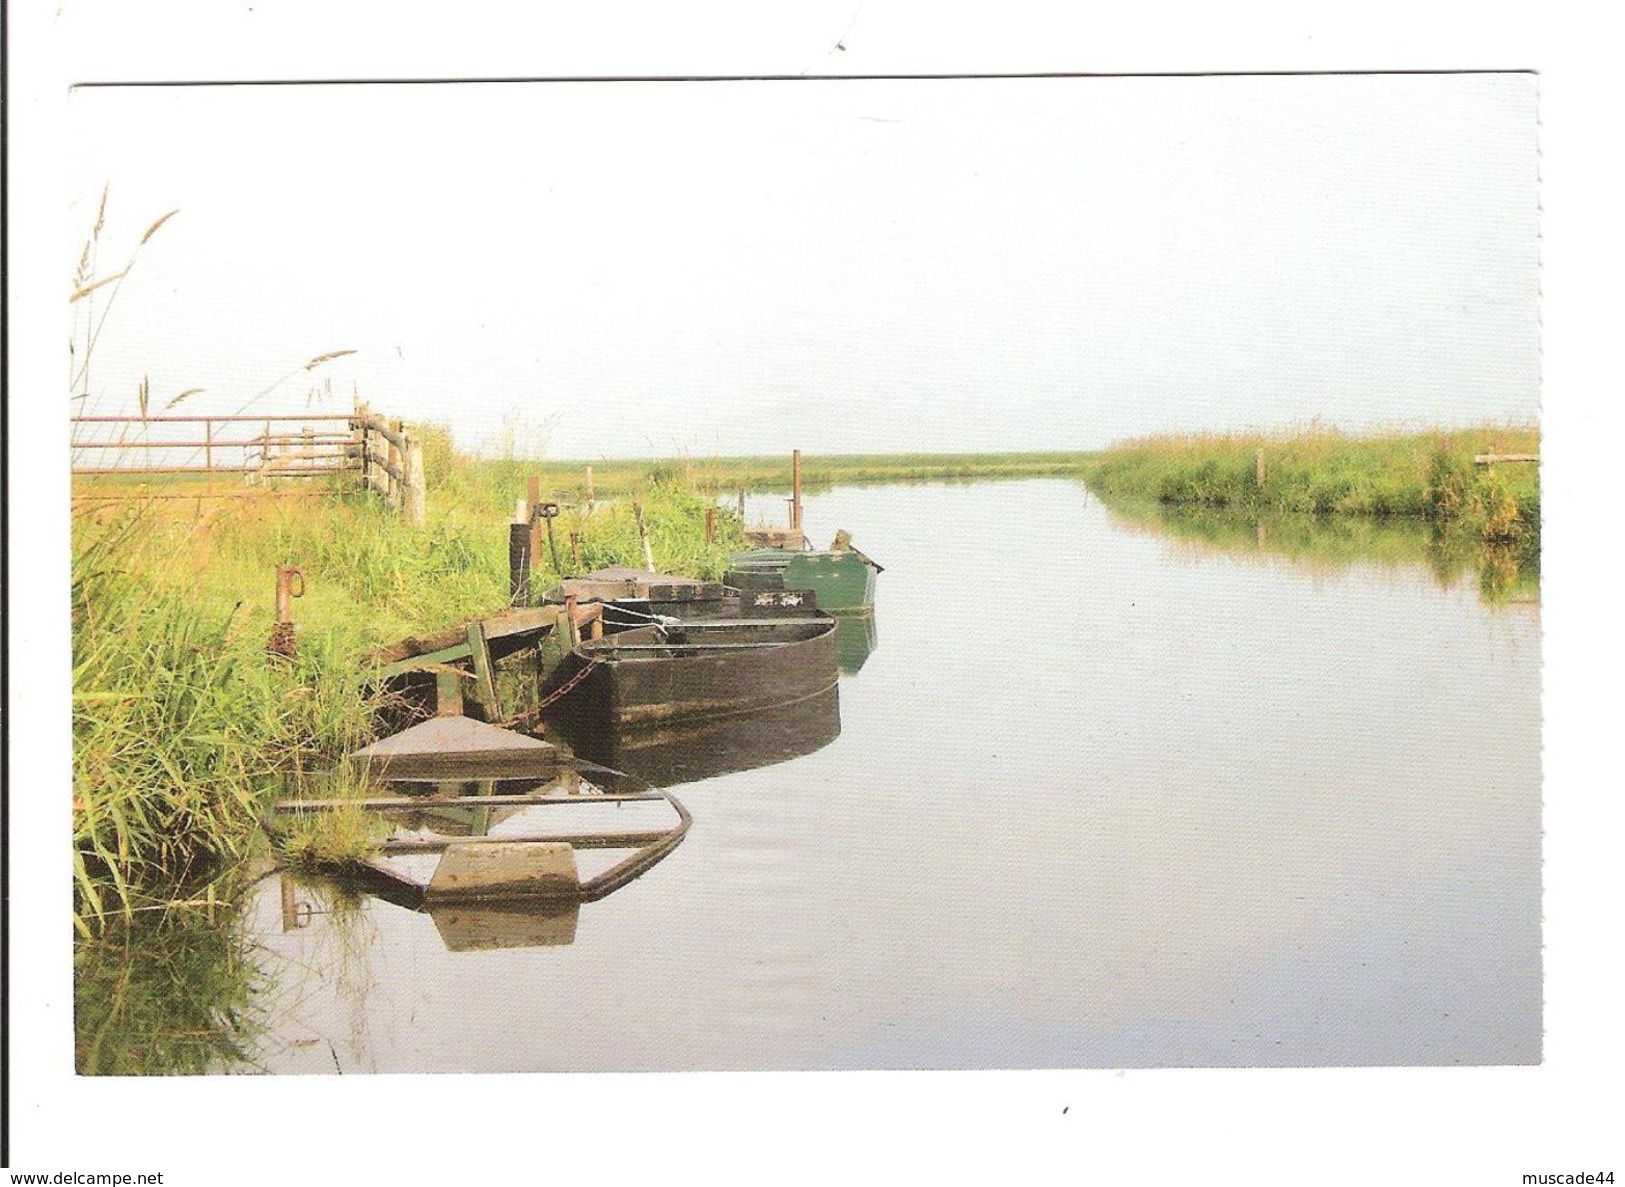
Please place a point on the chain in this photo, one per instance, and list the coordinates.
(567, 685)
(555, 695)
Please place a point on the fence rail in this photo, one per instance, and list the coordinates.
(382, 452)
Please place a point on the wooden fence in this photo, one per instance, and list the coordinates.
(391, 463)
(383, 453)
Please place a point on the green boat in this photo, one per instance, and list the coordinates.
(842, 579)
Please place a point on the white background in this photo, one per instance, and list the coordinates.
(1357, 1126)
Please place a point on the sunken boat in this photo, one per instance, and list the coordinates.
(483, 829)
(673, 671)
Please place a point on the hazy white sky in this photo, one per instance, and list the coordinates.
(744, 267)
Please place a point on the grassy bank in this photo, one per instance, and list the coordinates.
(1426, 474)
(182, 724)
(566, 480)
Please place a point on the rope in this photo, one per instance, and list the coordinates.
(657, 619)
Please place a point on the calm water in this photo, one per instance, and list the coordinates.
(1099, 797)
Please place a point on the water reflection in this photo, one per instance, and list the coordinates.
(855, 641)
(669, 756)
(170, 992)
(1504, 572)
(469, 926)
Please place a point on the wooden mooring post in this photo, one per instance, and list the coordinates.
(533, 497)
(795, 490)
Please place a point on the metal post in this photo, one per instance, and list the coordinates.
(519, 569)
(643, 535)
(552, 545)
(286, 575)
(290, 584)
(710, 524)
(208, 445)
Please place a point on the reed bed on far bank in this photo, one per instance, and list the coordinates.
(1427, 474)
(621, 478)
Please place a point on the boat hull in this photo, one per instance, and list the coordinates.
(651, 677)
(843, 582)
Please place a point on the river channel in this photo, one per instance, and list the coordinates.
(1101, 795)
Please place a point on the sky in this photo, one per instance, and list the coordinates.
(585, 270)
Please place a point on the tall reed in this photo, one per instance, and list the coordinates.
(1323, 471)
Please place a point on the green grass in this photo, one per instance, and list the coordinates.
(330, 837)
(566, 480)
(1424, 474)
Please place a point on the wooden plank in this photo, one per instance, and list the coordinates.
(578, 840)
(512, 869)
(448, 693)
(405, 802)
(1495, 459)
(501, 625)
(485, 689)
(444, 655)
(722, 624)
(612, 647)
(300, 417)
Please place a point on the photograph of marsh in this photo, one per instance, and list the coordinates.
(806, 575)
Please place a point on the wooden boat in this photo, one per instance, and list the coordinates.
(842, 579)
(690, 670)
